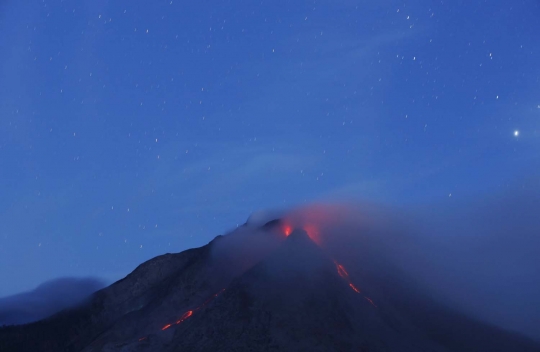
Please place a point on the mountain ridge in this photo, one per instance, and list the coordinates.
(285, 294)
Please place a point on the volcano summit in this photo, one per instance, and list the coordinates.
(279, 286)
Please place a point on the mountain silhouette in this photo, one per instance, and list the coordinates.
(269, 288)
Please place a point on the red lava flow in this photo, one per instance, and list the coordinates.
(344, 274)
(370, 301)
(354, 288)
(341, 270)
(313, 233)
(187, 314)
(184, 316)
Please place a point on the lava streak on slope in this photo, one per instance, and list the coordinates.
(187, 314)
(314, 235)
(184, 316)
(354, 288)
(344, 274)
(341, 271)
(370, 301)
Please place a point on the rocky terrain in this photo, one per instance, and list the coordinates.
(281, 292)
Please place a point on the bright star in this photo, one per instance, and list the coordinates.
(516, 133)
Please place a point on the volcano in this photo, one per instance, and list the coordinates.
(269, 288)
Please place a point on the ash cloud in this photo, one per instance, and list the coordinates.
(483, 258)
(479, 257)
(245, 246)
(47, 299)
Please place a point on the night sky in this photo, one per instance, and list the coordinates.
(129, 129)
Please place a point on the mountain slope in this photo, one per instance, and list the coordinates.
(73, 329)
(257, 289)
(293, 301)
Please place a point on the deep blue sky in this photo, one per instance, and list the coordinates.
(133, 128)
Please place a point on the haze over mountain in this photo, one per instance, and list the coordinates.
(47, 299)
(319, 278)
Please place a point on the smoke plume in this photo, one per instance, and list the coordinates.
(477, 257)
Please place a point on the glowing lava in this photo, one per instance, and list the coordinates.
(344, 274)
(313, 233)
(287, 230)
(370, 301)
(341, 270)
(317, 220)
(187, 314)
(311, 230)
(184, 316)
(354, 288)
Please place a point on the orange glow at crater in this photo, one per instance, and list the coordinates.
(287, 229)
(311, 230)
(317, 220)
